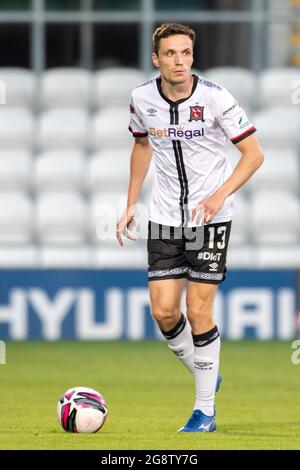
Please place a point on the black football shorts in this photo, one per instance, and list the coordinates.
(196, 253)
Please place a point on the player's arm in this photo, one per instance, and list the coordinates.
(139, 165)
(251, 159)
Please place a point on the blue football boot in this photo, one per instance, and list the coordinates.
(199, 422)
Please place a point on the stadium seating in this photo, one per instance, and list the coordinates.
(59, 170)
(240, 224)
(275, 217)
(16, 218)
(280, 170)
(278, 85)
(281, 257)
(243, 256)
(26, 256)
(66, 256)
(15, 170)
(113, 86)
(61, 218)
(125, 257)
(108, 170)
(109, 129)
(278, 127)
(16, 129)
(63, 129)
(66, 88)
(20, 87)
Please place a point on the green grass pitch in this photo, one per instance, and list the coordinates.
(150, 395)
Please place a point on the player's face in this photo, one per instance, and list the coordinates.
(175, 58)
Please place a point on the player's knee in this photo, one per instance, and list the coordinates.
(165, 313)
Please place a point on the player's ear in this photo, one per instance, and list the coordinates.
(155, 60)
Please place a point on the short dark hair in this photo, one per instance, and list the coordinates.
(170, 29)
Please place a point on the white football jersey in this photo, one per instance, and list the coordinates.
(188, 137)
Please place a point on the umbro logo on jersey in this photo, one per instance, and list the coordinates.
(196, 113)
(213, 266)
(151, 111)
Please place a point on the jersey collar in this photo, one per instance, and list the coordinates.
(175, 103)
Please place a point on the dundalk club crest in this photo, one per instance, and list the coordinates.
(196, 113)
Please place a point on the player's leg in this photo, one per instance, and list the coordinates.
(165, 296)
(167, 272)
(206, 339)
(207, 271)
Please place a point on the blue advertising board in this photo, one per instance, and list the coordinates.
(114, 304)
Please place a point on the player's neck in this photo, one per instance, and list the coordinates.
(177, 91)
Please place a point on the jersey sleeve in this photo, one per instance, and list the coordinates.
(232, 118)
(136, 125)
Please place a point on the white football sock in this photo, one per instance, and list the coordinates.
(180, 341)
(206, 362)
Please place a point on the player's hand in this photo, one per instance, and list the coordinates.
(206, 210)
(126, 222)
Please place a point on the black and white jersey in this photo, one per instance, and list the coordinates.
(188, 137)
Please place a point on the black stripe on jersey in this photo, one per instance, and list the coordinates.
(184, 188)
(176, 115)
(186, 184)
(137, 134)
(183, 181)
(180, 177)
(243, 136)
(172, 116)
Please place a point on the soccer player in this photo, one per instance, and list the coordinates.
(185, 120)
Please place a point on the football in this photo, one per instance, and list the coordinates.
(82, 410)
